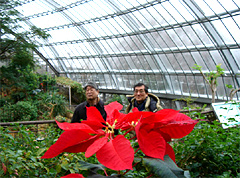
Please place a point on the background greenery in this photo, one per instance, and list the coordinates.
(209, 150)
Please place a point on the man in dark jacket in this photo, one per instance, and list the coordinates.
(143, 100)
(92, 92)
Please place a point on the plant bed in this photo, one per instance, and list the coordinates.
(208, 151)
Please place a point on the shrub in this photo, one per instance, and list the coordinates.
(50, 104)
(209, 151)
(48, 82)
(43, 105)
(22, 110)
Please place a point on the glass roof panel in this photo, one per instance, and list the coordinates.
(208, 7)
(49, 20)
(226, 37)
(202, 34)
(229, 5)
(236, 54)
(64, 3)
(34, 7)
(233, 28)
(65, 34)
(119, 43)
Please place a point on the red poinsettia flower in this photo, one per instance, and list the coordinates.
(96, 136)
(73, 176)
(155, 130)
(89, 137)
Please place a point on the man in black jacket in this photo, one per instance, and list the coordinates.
(143, 100)
(92, 92)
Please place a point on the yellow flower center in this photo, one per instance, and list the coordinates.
(133, 123)
(110, 128)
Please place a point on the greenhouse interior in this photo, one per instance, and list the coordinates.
(120, 88)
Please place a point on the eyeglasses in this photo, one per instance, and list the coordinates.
(89, 90)
(141, 91)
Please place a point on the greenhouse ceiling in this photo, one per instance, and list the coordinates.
(118, 43)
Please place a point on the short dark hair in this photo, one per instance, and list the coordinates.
(141, 84)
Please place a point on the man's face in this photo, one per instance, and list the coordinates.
(140, 94)
(91, 93)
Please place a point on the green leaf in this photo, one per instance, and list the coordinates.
(40, 151)
(33, 159)
(47, 169)
(58, 168)
(87, 166)
(137, 159)
(163, 169)
(65, 165)
(72, 171)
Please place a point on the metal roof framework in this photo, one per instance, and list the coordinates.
(118, 43)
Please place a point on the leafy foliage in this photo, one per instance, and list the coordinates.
(18, 84)
(119, 98)
(209, 151)
(20, 154)
(50, 104)
(17, 72)
(30, 96)
(160, 168)
(78, 94)
(16, 47)
(22, 110)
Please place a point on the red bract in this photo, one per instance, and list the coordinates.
(154, 131)
(89, 137)
(75, 134)
(130, 120)
(117, 154)
(73, 176)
